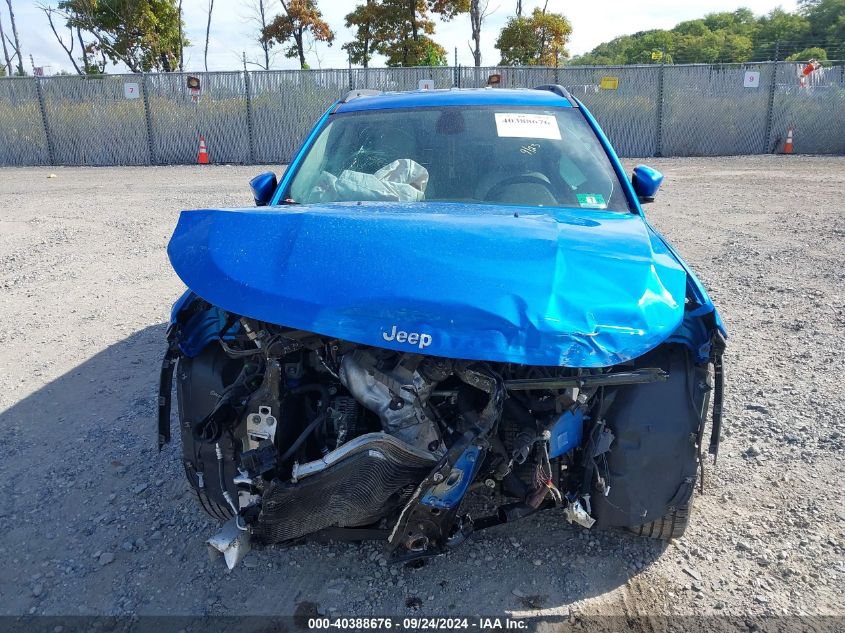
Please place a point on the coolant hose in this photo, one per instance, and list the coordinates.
(301, 439)
(324, 404)
(220, 477)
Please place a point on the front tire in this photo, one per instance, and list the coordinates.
(199, 381)
(653, 461)
(673, 524)
(213, 509)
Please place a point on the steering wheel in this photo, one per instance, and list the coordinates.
(525, 179)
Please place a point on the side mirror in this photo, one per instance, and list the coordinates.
(646, 182)
(263, 187)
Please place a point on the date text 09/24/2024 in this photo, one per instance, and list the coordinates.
(418, 623)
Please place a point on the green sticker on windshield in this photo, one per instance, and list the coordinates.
(591, 201)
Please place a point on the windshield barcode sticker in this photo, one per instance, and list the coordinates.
(522, 125)
(591, 201)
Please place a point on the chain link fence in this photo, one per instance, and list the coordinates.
(262, 116)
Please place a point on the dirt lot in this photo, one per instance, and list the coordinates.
(96, 521)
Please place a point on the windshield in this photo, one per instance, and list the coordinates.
(544, 157)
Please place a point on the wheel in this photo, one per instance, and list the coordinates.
(198, 380)
(671, 525)
(674, 523)
(653, 462)
(209, 506)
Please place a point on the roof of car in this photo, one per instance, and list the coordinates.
(356, 102)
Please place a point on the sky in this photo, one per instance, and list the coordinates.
(233, 32)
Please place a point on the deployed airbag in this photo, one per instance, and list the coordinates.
(400, 181)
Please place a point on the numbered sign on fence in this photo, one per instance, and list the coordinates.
(426, 84)
(131, 90)
(752, 79)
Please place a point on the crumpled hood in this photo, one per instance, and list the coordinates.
(577, 288)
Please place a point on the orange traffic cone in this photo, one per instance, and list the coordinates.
(811, 67)
(202, 157)
(787, 147)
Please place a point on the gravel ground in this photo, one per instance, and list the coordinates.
(96, 521)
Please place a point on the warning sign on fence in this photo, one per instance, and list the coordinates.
(609, 83)
(194, 86)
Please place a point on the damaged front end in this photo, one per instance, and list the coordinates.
(449, 290)
(287, 434)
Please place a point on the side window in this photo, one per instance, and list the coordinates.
(311, 167)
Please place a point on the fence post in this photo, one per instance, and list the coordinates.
(770, 107)
(149, 119)
(658, 134)
(47, 133)
(251, 138)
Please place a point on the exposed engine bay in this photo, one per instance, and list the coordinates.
(287, 434)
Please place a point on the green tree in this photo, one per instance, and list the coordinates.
(814, 52)
(364, 19)
(645, 47)
(729, 36)
(434, 56)
(652, 47)
(448, 9)
(539, 40)
(778, 26)
(403, 30)
(142, 34)
(827, 23)
(737, 47)
(691, 28)
(607, 54)
(300, 23)
(739, 22)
